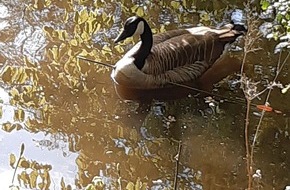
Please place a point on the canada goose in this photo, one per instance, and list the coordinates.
(178, 56)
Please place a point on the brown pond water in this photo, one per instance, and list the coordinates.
(76, 130)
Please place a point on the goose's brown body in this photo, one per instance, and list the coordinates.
(178, 56)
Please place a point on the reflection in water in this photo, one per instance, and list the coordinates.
(70, 119)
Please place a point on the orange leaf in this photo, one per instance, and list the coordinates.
(265, 108)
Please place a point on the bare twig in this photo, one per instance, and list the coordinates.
(249, 88)
(279, 69)
(250, 91)
(248, 153)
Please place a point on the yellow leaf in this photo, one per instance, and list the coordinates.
(106, 50)
(48, 31)
(138, 184)
(97, 27)
(83, 16)
(12, 160)
(47, 177)
(6, 74)
(28, 62)
(8, 127)
(22, 77)
(162, 29)
(93, 53)
(175, 4)
(140, 11)
(134, 8)
(14, 92)
(47, 3)
(130, 186)
(33, 177)
(16, 73)
(74, 42)
(120, 49)
(76, 17)
(17, 126)
(61, 35)
(66, 16)
(19, 115)
(24, 177)
(85, 36)
(24, 163)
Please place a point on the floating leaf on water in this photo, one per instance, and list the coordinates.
(15, 74)
(7, 74)
(19, 115)
(24, 177)
(74, 42)
(264, 4)
(48, 31)
(83, 16)
(17, 126)
(106, 50)
(28, 62)
(24, 163)
(54, 53)
(12, 160)
(97, 27)
(46, 176)
(61, 35)
(41, 185)
(130, 186)
(33, 178)
(140, 11)
(162, 28)
(8, 127)
(85, 36)
(138, 184)
(175, 4)
(23, 77)
(265, 108)
(120, 49)
(66, 16)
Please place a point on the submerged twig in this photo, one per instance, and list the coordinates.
(18, 161)
(177, 157)
(100, 63)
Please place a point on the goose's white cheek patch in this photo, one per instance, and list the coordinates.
(140, 28)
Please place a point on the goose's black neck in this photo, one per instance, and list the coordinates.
(145, 48)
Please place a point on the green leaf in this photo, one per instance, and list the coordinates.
(265, 5)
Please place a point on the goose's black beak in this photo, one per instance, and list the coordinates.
(122, 36)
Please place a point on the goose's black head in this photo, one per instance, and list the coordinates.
(133, 26)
